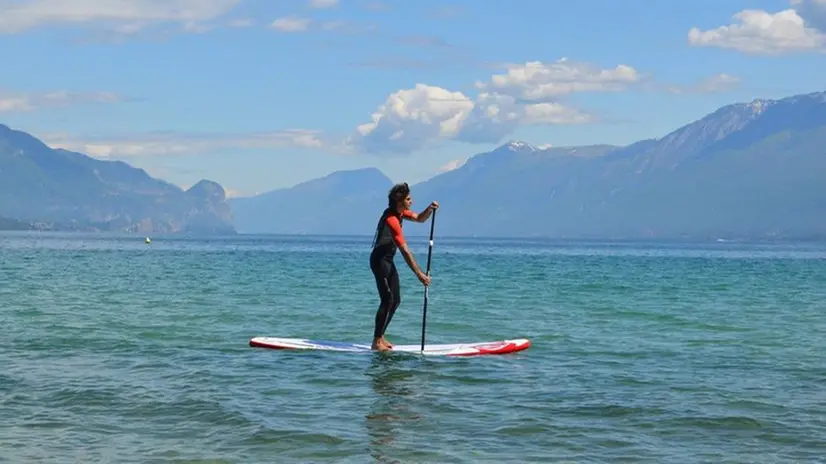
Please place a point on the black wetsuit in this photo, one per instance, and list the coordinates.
(388, 232)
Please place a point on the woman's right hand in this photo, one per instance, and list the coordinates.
(424, 279)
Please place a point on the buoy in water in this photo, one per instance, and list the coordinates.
(147, 241)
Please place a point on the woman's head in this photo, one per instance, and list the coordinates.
(399, 197)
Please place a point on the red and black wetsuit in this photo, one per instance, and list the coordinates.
(388, 238)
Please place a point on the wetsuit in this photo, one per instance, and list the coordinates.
(387, 240)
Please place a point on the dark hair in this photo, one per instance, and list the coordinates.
(397, 193)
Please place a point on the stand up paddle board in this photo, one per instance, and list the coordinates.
(450, 349)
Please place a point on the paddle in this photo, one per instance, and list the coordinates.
(429, 253)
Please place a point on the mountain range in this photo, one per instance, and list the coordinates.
(751, 170)
(55, 189)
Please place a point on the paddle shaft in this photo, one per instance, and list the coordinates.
(429, 254)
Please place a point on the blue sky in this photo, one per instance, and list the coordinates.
(258, 94)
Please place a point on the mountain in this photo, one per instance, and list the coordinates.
(748, 170)
(60, 189)
(344, 202)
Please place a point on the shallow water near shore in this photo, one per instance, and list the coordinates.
(119, 351)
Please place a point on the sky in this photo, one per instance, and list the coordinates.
(263, 94)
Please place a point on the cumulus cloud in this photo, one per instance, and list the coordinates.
(419, 117)
(535, 80)
(411, 118)
(494, 116)
(533, 93)
(10, 102)
(124, 16)
(759, 32)
(158, 144)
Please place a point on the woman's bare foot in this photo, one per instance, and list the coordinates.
(379, 344)
(386, 341)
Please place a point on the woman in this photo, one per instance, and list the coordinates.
(388, 239)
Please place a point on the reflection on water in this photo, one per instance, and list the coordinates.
(393, 381)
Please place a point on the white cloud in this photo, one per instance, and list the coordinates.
(321, 4)
(535, 80)
(761, 33)
(10, 102)
(411, 119)
(291, 24)
(416, 118)
(124, 16)
(159, 144)
(494, 116)
(526, 94)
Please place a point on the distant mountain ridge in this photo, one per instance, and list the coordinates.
(746, 170)
(339, 203)
(59, 189)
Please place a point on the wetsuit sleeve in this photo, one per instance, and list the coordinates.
(396, 230)
(408, 214)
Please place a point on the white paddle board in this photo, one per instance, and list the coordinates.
(450, 349)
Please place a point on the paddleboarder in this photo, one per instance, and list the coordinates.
(388, 239)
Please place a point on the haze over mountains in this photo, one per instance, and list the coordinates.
(748, 170)
(55, 189)
(339, 203)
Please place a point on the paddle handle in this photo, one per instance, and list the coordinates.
(426, 289)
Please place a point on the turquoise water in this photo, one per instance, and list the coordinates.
(117, 351)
